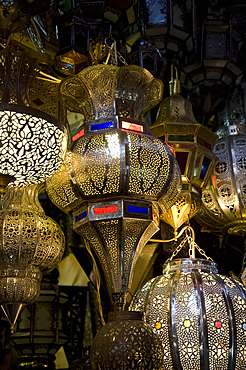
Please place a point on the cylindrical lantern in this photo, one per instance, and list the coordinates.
(224, 200)
(198, 314)
(126, 342)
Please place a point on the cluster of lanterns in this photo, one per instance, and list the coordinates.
(115, 180)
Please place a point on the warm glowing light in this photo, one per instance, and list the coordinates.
(131, 126)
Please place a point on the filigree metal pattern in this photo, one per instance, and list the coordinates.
(225, 203)
(105, 90)
(126, 342)
(28, 236)
(199, 315)
(116, 163)
(32, 146)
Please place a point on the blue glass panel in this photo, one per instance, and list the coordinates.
(141, 210)
(205, 164)
(81, 216)
(102, 126)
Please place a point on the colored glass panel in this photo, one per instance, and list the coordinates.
(81, 216)
(205, 164)
(189, 138)
(103, 210)
(217, 324)
(141, 210)
(131, 126)
(244, 326)
(204, 143)
(102, 126)
(158, 325)
(79, 134)
(187, 323)
(182, 160)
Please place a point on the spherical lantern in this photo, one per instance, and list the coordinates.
(115, 169)
(31, 244)
(198, 314)
(126, 342)
(224, 200)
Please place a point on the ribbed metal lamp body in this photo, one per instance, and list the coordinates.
(199, 315)
(126, 342)
(224, 200)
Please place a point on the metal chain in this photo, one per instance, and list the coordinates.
(189, 238)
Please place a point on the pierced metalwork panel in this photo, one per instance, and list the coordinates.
(60, 187)
(33, 144)
(237, 293)
(19, 284)
(109, 234)
(106, 90)
(186, 321)
(28, 236)
(227, 201)
(218, 323)
(126, 342)
(99, 171)
(199, 315)
(150, 165)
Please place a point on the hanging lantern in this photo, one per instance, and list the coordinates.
(225, 199)
(115, 169)
(40, 328)
(33, 144)
(192, 144)
(31, 244)
(74, 37)
(198, 314)
(126, 342)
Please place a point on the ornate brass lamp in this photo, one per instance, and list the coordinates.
(224, 200)
(32, 147)
(31, 244)
(192, 143)
(198, 314)
(115, 169)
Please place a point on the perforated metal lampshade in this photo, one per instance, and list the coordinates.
(33, 143)
(31, 244)
(198, 314)
(115, 169)
(224, 200)
(192, 144)
(126, 342)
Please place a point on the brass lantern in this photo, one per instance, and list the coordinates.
(224, 200)
(31, 244)
(198, 314)
(192, 143)
(115, 170)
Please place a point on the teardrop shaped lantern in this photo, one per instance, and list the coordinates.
(198, 314)
(224, 199)
(192, 144)
(115, 169)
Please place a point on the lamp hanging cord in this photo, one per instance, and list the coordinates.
(95, 270)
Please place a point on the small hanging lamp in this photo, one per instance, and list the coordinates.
(192, 144)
